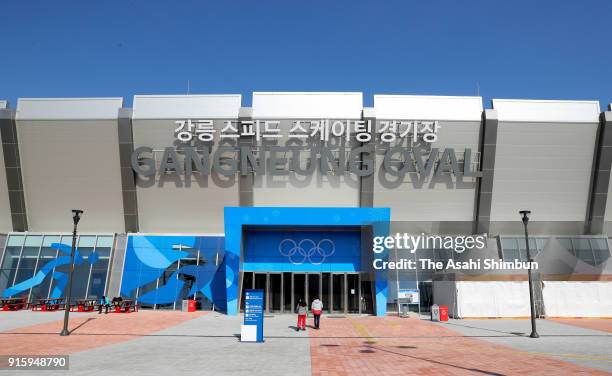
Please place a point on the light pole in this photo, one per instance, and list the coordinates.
(75, 218)
(525, 218)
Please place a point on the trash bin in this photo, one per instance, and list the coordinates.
(191, 306)
(435, 312)
(443, 313)
(404, 310)
(185, 306)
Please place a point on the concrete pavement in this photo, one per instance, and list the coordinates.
(167, 342)
(587, 347)
(206, 345)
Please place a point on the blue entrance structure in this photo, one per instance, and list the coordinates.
(236, 218)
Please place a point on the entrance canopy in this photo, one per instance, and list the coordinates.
(372, 221)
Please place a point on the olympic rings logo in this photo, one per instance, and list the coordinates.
(306, 251)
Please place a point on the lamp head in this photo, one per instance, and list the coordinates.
(76, 215)
(525, 215)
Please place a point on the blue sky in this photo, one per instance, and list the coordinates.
(509, 49)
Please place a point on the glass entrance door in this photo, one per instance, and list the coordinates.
(288, 292)
(275, 292)
(299, 288)
(325, 291)
(260, 284)
(314, 288)
(338, 293)
(353, 293)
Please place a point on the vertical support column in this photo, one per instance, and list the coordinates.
(3, 239)
(14, 180)
(113, 284)
(366, 200)
(306, 287)
(320, 296)
(267, 293)
(359, 292)
(331, 292)
(366, 183)
(345, 293)
(128, 180)
(282, 293)
(293, 303)
(600, 176)
(245, 182)
(484, 191)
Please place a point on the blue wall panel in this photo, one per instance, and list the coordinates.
(171, 260)
(302, 251)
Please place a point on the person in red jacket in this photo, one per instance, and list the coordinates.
(302, 311)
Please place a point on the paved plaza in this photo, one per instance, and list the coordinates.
(168, 342)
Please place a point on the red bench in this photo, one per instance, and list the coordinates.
(50, 305)
(84, 305)
(124, 306)
(13, 304)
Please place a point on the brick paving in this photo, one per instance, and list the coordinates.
(396, 346)
(604, 325)
(89, 331)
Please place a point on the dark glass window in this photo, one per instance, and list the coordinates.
(27, 256)
(47, 255)
(513, 247)
(9, 266)
(591, 250)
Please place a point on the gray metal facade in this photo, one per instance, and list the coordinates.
(552, 157)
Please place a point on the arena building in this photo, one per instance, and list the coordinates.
(197, 197)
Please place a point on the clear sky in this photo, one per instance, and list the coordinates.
(536, 49)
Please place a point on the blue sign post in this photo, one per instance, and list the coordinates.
(252, 329)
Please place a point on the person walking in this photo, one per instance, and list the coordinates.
(316, 307)
(302, 312)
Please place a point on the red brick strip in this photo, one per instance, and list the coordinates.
(89, 332)
(398, 346)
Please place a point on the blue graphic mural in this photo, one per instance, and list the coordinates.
(162, 270)
(60, 277)
(37, 265)
(338, 250)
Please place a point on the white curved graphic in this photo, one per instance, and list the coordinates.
(306, 251)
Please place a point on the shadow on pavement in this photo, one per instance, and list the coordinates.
(81, 324)
(486, 329)
(520, 334)
(302, 337)
(372, 348)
